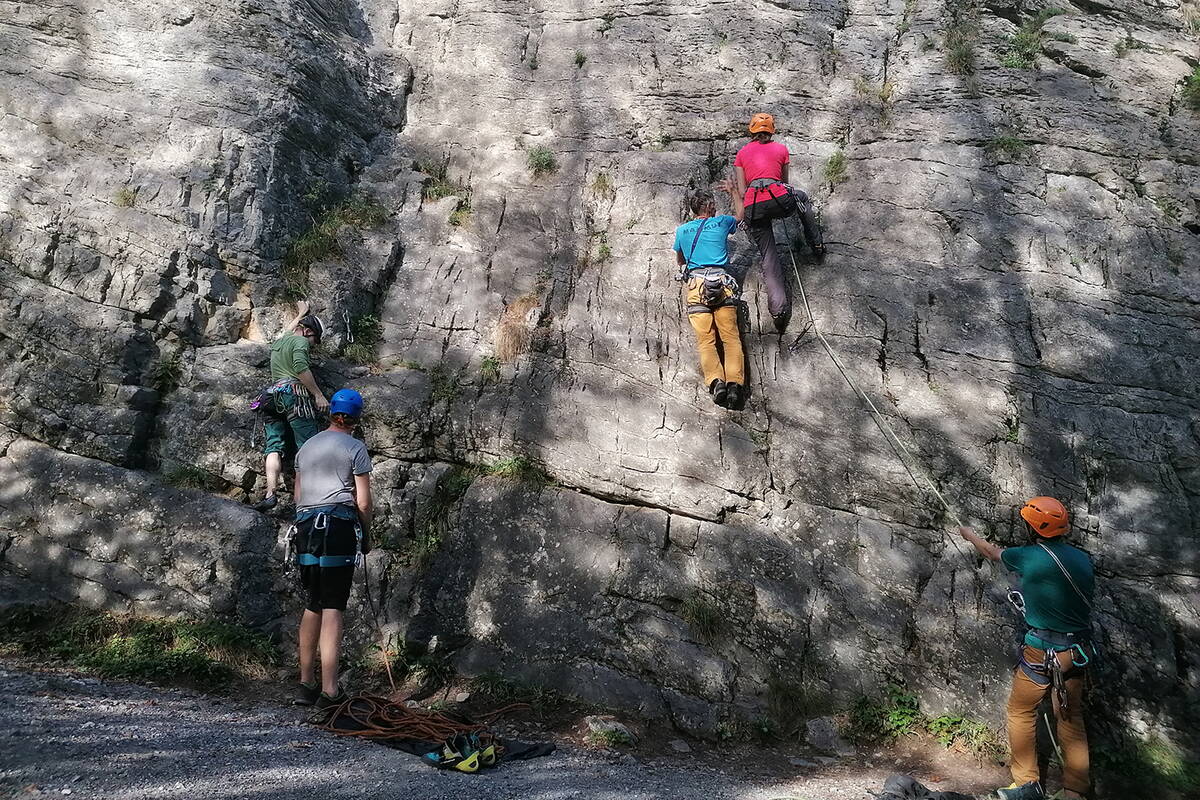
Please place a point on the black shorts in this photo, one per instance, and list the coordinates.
(326, 587)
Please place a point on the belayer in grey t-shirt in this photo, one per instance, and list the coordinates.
(328, 463)
(333, 512)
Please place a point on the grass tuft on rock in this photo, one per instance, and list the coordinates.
(438, 185)
(894, 715)
(206, 655)
(505, 691)
(518, 468)
(1008, 145)
(166, 373)
(1026, 44)
(969, 735)
(461, 213)
(835, 168)
(489, 370)
(190, 476)
(368, 333)
(960, 49)
(514, 331)
(541, 160)
(702, 616)
(1191, 89)
(320, 242)
(1149, 768)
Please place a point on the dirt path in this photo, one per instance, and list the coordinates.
(64, 735)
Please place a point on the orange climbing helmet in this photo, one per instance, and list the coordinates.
(762, 123)
(1046, 516)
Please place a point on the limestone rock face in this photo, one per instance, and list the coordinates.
(480, 199)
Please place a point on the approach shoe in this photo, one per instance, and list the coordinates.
(720, 392)
(324, 701)
(267, 503)
(734, 395)
(306, 695)
(781, 321)
(1026, 791)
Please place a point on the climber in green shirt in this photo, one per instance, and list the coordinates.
(293, 400)
(1057, 586)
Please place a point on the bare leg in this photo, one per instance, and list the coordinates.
(331, 649)
(310, 634)
(274, 469)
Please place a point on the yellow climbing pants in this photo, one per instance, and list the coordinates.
(1023, 705)
(711, 327)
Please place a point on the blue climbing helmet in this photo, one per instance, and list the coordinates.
(346, 401)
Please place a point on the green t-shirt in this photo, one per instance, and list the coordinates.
(1050, 602)
(289, 357)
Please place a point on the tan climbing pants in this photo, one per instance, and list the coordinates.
(720, 324)
(1023, 705)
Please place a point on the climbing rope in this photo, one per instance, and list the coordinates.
(382, 719)
(903, 454)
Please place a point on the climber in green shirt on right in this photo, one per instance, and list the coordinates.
(1057, 586)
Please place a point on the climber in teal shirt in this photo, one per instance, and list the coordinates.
(1057, 584)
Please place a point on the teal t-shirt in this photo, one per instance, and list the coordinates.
(1050, 602)
(712, 247)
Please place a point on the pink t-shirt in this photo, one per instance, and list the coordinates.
(762, 160)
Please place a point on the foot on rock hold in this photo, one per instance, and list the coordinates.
(733, 395)
(267, 503)
(719, 391)
(1026, 791)
(781, 320)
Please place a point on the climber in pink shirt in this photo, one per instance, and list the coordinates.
(761, 167)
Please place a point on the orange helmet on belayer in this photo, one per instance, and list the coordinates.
(1046, 516)
(762, 123)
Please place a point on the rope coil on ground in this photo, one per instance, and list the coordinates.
(383, 719)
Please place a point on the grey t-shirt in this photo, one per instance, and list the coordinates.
(327, 464)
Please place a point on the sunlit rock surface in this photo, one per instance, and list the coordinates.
(1012, 278)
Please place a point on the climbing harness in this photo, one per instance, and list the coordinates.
(775, 206)
(320, 524)
(898, 447)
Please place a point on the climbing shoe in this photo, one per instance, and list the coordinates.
(267, 503)
(324, 701)
(734, 395)
(458, 753)
(720, 392)
(818, 251)
(305, 694)
(781, 321)
(1026, 791)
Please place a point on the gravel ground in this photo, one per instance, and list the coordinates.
(68, 736)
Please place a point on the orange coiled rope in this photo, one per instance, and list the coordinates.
(382, 719)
